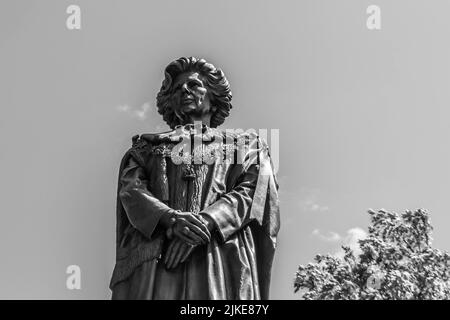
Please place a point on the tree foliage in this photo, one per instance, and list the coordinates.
(396, 261)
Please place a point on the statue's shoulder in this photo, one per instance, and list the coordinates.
(153, 139)
(142, 144)
(145, 140)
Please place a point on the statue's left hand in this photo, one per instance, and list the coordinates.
(177, 252)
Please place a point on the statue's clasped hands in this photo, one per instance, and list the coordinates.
(190, 228)
(187, 231)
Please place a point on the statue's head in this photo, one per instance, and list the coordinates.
(194, 89)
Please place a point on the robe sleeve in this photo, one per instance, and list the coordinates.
(143, 209)
(233, 210)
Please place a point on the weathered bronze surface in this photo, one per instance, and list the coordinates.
(197, 207)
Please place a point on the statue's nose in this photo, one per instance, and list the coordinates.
(185, 88)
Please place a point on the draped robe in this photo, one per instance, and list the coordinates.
(239, 196)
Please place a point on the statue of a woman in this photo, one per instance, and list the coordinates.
(197, 207)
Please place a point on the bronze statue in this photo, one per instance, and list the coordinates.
(197, 207)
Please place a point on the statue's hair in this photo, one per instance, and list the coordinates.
(215, 80)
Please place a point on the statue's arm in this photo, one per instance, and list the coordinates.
(232, 211)
(143, 209)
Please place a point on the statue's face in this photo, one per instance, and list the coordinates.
(190, 96)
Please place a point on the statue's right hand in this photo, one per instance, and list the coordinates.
(190, 228)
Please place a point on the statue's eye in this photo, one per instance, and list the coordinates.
(193, 84)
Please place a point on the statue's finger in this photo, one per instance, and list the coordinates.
(181, 250)
(173, 253)
(203, 237)
(168, 252)
(204, 224)
(189, 231)
(175, 250)
(200, 224)
(186, 253)
(193, 234)
(186, 239)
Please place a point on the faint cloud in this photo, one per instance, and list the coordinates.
(353, 236)
(328, 237)
(123, 108)
(140, 113)
(350, 239)
(309, 200)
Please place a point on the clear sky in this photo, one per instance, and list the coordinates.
(363, 120)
